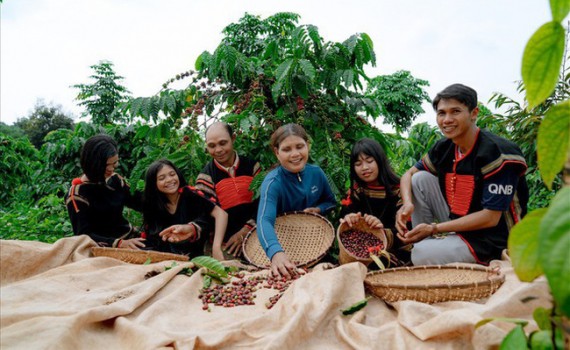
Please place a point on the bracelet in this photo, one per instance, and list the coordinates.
(434, 229)
(193, 225)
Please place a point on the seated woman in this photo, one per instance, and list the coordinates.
(292, 186)
(176, 215)
(374, 194)
(96, 199)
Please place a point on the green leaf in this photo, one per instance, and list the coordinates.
(186, 271)
(173, 265)
(282, 75)
(515, 340)
(308, 69)
(541, 62)
(147, 262)
(542, 318)
(541, 340)
(199, 62)
(207, 282)
(300, 88)
(355, 307)
(554, 248)
(170, 104)
(523, 246)
(517, 321)
(211, 264)
(553, 141)
(559, 9)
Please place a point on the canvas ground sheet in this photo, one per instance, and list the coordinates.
(57, 296)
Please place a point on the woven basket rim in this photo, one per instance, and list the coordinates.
(97, 252)
(494, 275)
(289, 213)
(384, 240)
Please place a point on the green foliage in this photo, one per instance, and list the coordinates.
(407, 151)
(554, 141)
(45, 220)
(515, 340)
(211, 264)
(541, 62)
(355, 307)
(559, 9)
(554, 245)
(103, 96)
(523, 246)
(11, 131)
(18, 163)
(400, 97)
(42, 120)
(521, 125)
(554, 223)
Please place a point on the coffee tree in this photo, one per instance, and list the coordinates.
(268, 72)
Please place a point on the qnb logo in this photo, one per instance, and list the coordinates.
(314, 189)
(500, 189)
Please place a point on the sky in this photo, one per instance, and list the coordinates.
(48, 45)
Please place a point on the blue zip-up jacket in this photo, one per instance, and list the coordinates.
(283, 191)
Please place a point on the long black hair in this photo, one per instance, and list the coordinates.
(155, 201)
(94, 155)
(386, 175)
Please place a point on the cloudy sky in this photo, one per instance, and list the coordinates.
(48, 45)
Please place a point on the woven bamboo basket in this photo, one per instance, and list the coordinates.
(345, 257)
(434, 284)
(305, 237)
(136, 256)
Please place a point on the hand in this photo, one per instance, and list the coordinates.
(313, 210)
(178, 233)
(351, 219)
(417, 234)
(218, 254)
(233, 245)
(133, 243)
(373, 221)
(403, 216)
(282, 266)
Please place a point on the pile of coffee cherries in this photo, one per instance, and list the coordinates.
(359, 243)
(241, 291)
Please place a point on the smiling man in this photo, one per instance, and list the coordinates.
(226, 180)
(469, 185)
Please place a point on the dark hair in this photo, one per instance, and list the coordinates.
(154, 200)
(226, 125)
(386, 175)
(94, 155)
(285, 131)
(459, 92)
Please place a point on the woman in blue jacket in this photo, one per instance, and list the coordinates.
(293, 186)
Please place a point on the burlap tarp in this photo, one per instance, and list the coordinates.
(57, 296)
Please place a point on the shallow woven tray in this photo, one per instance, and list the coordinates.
(136, 256)
(434, 284)
(305, 237)
(345, 257)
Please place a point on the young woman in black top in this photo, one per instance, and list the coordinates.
(374, 193)
(96, 199)
(176, 216)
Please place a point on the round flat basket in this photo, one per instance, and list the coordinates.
(136, 256)
(434, 284)
(345, 257)
(305, 237)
